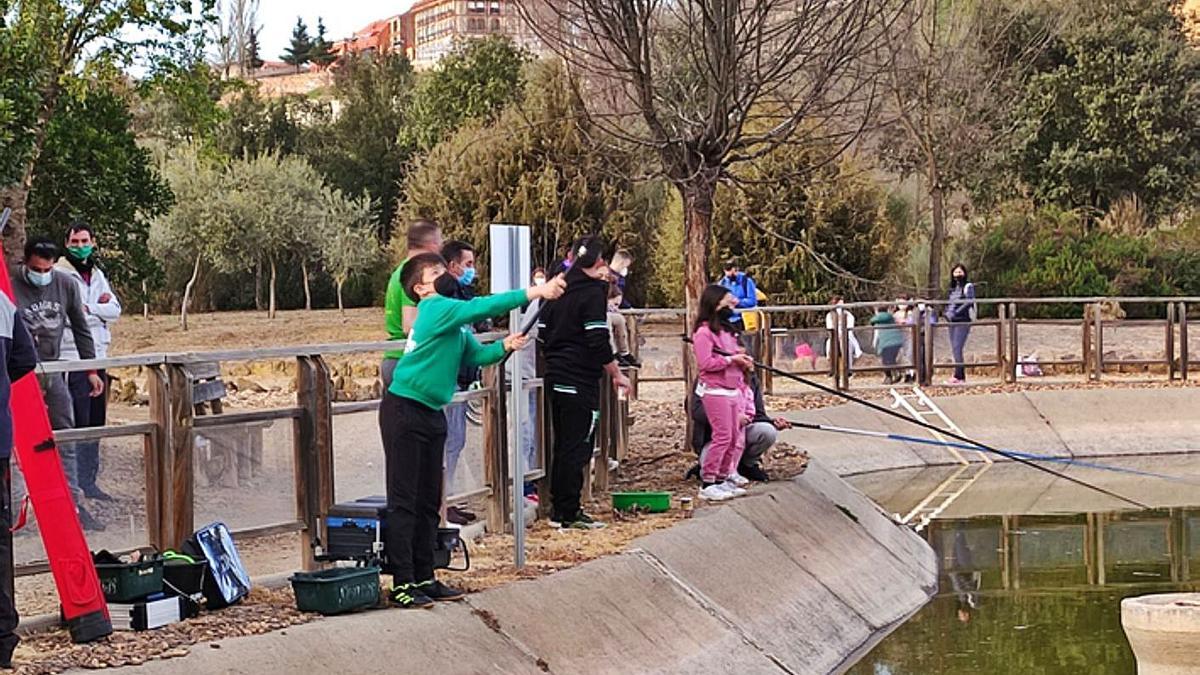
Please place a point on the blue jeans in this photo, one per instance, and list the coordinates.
(529, 437)
(959, 331)
(456, 440)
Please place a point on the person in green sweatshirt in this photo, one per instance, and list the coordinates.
(889, 338)
(412, 423)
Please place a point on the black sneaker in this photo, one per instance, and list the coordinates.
(89, 522)
(754, 473)
(96, 493)
(437, 591)
(409, 596)
(580, 521)
(694, 473)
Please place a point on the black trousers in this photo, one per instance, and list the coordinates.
(573, 416)
(8, 605)
(89, 412)
(413, 439)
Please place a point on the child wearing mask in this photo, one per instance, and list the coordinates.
(722, 365)
(413, 425)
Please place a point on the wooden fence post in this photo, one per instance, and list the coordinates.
(632, 329)
(603, 439)
(1098, 356)
(768, 354)
(847, 354)
(928, 355)
(1002, 356)
(155, 452)
(1169, 347)
(495, 459)
(178, 463)
(1014, 343)
(313, 450)
(1183, 341)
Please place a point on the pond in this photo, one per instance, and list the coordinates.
(1029, 586)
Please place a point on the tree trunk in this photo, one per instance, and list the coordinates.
(937, 237)
(698, 195)
(16, 196)
(341, 307)
(307, 288)
(187, 293)
(271, 307)
(258, 303)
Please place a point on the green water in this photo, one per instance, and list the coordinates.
(1040, 595)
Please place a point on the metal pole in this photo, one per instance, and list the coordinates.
(516, 413)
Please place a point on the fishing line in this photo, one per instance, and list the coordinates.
(1070, 461)
(976, 445)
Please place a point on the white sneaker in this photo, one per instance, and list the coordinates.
(732, 489)
(714, 493)
(738, 479)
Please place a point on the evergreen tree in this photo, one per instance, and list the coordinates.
(298, 53)
(252, 58)
(321, 52)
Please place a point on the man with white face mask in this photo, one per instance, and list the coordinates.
(48, 298)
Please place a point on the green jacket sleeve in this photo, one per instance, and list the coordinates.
(478, 309)
(479, 355)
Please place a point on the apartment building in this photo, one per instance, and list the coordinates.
(437, 25)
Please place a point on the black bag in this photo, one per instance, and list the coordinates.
(449, 539)
(227, 581)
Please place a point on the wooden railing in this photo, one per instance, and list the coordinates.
(1001, 320)
(169, 447)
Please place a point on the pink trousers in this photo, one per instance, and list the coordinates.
(728, 440)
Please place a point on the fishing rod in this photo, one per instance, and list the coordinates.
(532, 320)
(976, 445)
(904, 438)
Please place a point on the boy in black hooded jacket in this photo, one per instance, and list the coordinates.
(574, 330)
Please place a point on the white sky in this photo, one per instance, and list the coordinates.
(278, 17)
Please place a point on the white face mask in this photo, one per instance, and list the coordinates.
(39, 278)
(538, 281)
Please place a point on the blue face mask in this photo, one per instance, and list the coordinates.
(468, 276)
(39, 278)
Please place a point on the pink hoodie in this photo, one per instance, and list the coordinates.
(716, 370)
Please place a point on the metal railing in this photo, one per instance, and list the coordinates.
(1003, 327)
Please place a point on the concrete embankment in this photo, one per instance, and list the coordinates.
(801, 577)
(1060, 423)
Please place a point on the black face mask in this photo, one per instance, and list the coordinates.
(446, 285)
(725, 314)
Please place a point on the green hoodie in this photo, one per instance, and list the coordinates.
(441, 338)
(885, 336)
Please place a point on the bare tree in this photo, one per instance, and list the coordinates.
(953, 70)
(233, 33)
(707, 84)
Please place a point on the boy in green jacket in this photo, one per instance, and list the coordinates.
(412, 423)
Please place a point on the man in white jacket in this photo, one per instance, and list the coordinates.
(102, 308)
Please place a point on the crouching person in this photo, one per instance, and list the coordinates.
(761, 434)
(413, 425)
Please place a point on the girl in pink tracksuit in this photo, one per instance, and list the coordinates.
(721, 386)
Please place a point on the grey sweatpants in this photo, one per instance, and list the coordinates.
(62, 416)
(760, 436)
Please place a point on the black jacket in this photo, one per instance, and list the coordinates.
(17, 357)
(574, 332)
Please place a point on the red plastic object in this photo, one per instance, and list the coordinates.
(83, 604)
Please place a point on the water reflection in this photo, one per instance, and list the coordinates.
(1041, 594)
